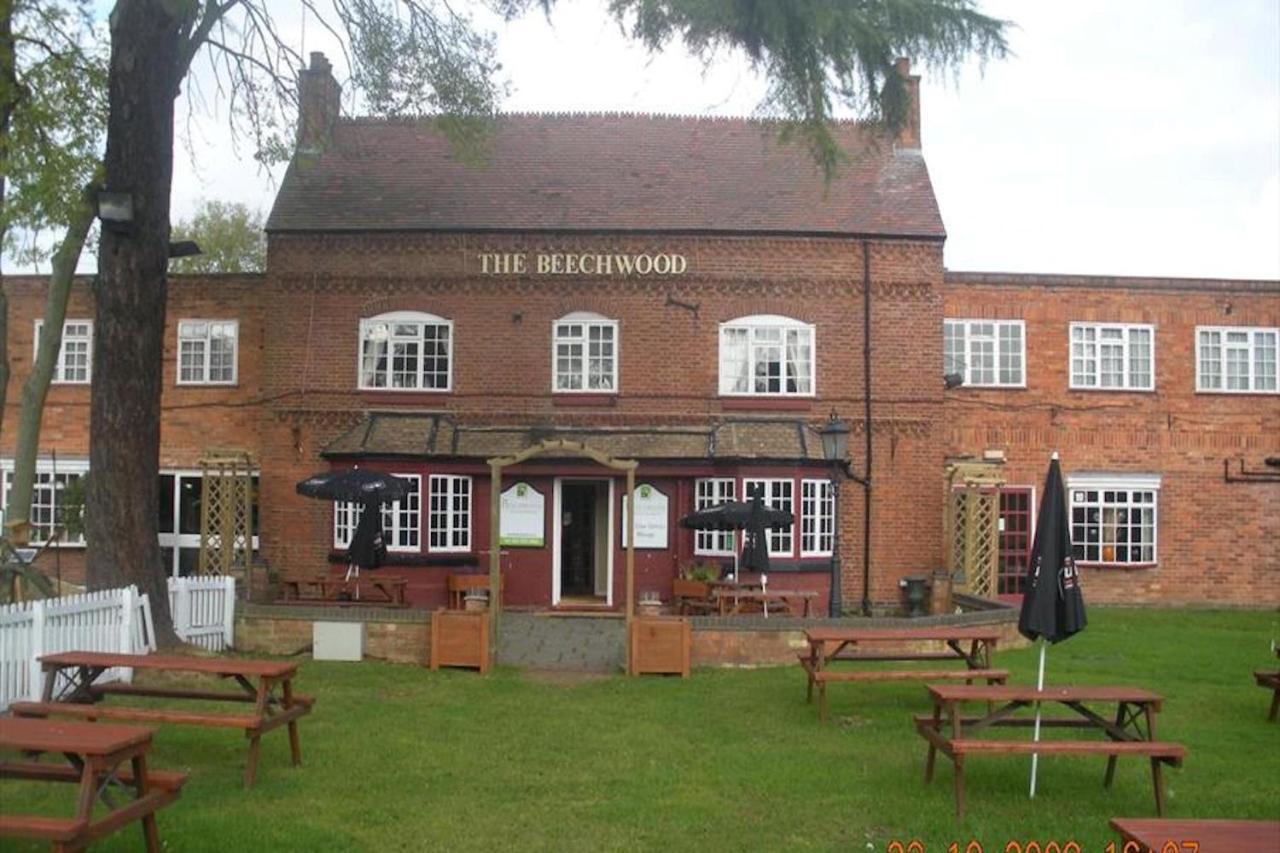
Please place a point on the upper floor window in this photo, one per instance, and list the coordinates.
(408, 351)
(585, 356)
(989, 353)
(57, 500)
(1237, 360)
(1113, 517)
(1113, 356)
(401, 520)
(207, 352)
(72, 365)
(766, 355)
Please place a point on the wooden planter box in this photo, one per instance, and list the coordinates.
(460, 638)
(659, 644)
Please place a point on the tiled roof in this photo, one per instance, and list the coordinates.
(427, 436)
(606, 173)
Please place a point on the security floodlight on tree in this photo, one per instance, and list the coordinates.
(115, 209)
(184, 249)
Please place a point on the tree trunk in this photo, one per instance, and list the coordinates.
(122, 497)
(36, 388)
(8, 97)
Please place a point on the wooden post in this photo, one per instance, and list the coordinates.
(631, 564)
(495, 553)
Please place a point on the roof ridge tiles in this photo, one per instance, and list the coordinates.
(695, 118)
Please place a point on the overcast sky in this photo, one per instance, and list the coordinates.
(1125, 138)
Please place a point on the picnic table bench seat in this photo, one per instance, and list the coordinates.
(169, 780)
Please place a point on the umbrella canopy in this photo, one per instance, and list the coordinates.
(752, 517)
(368, 548)
(354, 484)
(1052, 605)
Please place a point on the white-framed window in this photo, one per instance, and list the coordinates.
(73, 364)
(709, 492)
(207, 352)
(49, 498)
(1114, 518)
(449, 519)
(778, 494)
(767, 355)
(401, 520)
(584, 354)
(985, 353)
(1113, 356)
(406, 351)
(817, 518)
(1237, 360)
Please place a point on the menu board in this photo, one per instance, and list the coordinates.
(523, 517)
(651, 518)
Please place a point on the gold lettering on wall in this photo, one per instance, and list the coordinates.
(592, 264)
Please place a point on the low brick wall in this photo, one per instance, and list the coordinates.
(541, 641)
(398, 637)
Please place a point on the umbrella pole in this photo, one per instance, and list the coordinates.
(1035, 757)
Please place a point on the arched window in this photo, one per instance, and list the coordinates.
(584, 354)
(406, 351)
(766, 355)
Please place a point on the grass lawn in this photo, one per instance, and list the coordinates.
(399, 758)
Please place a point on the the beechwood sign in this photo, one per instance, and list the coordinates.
(580, 263)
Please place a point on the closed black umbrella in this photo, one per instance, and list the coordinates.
(371, 489)
(368, 548)
(752, 517)
(1052, 605)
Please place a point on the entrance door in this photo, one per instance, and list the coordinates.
(583, 541)
(1016, 505)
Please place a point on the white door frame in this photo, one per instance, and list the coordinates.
(557, 524)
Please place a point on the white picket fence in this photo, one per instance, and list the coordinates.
(117, 620)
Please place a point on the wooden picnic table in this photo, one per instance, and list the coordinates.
(336, 591)
(102, 759)
(1130, 730)
(1204, 836)
(1270, 681)
(733, 599)
(973, 646)
(69, 690)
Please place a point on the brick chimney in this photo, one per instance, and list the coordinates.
(318, 97)
(909, 135)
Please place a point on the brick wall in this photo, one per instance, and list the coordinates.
(1218, 542)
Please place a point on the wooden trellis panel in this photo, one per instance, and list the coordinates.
(226, 513)
(973, 526)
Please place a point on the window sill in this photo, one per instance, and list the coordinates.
(1092, 390)
(768, 404)
(601, 400)
(207, 386)
(1218, 392)
(1121, 567)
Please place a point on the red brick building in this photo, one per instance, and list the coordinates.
(689, 294)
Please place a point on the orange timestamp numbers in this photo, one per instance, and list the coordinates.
(916, 846)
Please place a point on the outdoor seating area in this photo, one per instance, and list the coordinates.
(377, 590)
(1270, 680)
(70, 690)
(684, 748)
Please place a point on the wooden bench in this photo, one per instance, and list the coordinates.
(1271, 681)
(692, 598)
(829, 645)
(1131, 734)
(330, 590)
(460, 584)
(258, 681)
(1210, 836)
(103, 758)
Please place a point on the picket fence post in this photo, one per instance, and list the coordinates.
(36, 679)
(229, 612)
(180, 606)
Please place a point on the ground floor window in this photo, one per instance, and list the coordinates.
(180, 507)
(1113, 518)
(817, 518)
(710, 492)
(401, 524)
(450, 522)
(778, 494)
(57, 501)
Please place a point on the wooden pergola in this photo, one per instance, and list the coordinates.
(559, 447)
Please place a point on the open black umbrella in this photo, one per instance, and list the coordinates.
(1052, 605)
(752, 517)
(371, 489)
